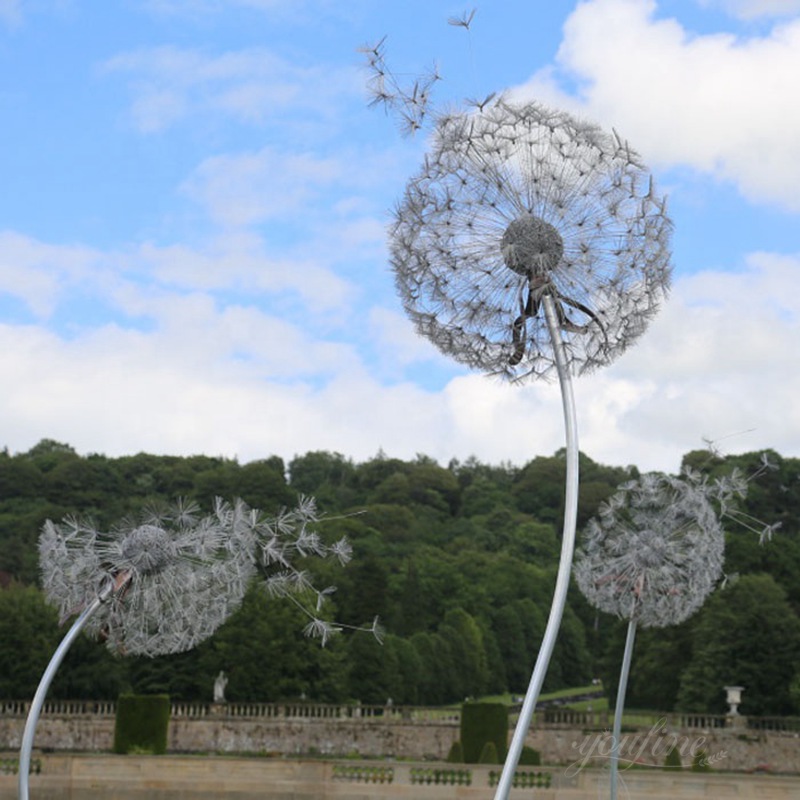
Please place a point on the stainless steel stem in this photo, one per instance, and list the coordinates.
(565, 564)
(44, 684)
(620, 704)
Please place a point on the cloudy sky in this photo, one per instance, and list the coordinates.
(195, 199)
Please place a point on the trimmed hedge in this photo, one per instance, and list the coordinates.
(673, 758)
(529, 757)
(489, 754)
(141, 724)
(482, 723)
(700, 762)
(456, 754)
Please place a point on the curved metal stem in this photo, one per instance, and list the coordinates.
(565, 563)
(620, 704)
(44, 684)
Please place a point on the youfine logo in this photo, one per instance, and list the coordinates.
(641, 749)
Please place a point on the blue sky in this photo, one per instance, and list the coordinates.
(195, 199)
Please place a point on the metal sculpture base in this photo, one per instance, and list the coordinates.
(565, 563)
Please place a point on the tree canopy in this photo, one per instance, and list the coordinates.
(459, 562)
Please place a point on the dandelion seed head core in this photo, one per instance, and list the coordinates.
(148, 549)
(531, 246)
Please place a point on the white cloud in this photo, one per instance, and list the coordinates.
(237, 262)
(252, 86)
(393, 336)
(40, 274)
(250, 188)
(720, 103)
(752, 9)
(720, 358)
(176, 391)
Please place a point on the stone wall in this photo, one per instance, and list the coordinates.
(342, 737)
(397, 735)
(724, 749)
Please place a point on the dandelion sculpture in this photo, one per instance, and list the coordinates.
(530, 245)
(652, 555)
(171, 576)
(654, 551)
(165, 581)
(519, 209)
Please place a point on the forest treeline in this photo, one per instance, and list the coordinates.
(458, 561)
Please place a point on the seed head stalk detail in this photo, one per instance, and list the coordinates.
(530, 245)
(166, 580)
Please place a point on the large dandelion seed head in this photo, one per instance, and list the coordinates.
(654, 552)
(180, 576)
(516, 202)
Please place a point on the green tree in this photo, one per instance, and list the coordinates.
(746, 635)
(510, 637)
(470, 667)
(405, 665)
(539, 488)
(482, 496)
(373, 670)
(662, 654)
(267, 658)
(436, 663)
(28, 637)
(571, 663)
(262, 484)
(19, 477)
(329, 477)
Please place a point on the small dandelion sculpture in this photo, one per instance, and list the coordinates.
(165, 581)
(530, 245)
(654, 553)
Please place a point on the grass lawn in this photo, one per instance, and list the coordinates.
(508, 698)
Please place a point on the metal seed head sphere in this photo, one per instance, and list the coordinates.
(184, 575)
(515, 202)
(653, 553)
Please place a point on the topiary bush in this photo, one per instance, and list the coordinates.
(482, 723)
(673, 758)
(529, 757)
(141, 724)
(456, 754)
(700, 762)
(489, 754)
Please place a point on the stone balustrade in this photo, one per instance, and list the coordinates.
(195, 710)
(555, 717)
(185, 777)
